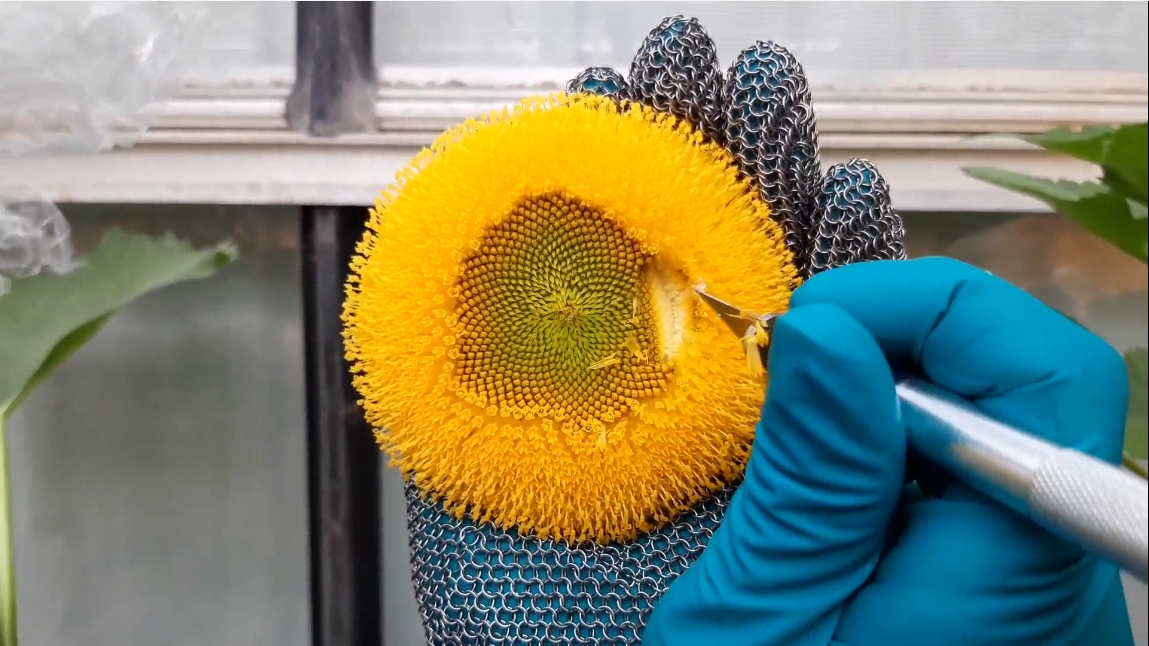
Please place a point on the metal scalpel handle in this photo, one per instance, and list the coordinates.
(1088, 502)
(1094, 505)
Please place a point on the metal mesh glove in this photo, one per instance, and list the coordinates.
(761, 112)
(476, 584)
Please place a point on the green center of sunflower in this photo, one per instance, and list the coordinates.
(555, 316)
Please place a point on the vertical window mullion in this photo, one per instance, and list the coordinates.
(334, 94)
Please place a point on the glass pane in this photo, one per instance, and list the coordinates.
(401, 623)
(1051, 258)
(828, 37)
(246, 39)
(1069, 269)
(1048, 256)
(159, 476)
(84, 76)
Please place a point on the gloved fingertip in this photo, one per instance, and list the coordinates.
(924, 287)
(829, 377)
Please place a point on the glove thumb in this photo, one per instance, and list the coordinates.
(807, 526)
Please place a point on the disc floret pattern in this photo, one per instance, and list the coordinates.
(522, 329)
(553, 320)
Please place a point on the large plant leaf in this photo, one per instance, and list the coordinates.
(1118, 185)
(45, 318)
(1126, 162)
(1122, 153)
(59, 354)
(1094, 206)
(1088, 144)
(1136, 424)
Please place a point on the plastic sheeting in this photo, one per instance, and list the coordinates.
(83, 77)
(34, 237)
(79, 78)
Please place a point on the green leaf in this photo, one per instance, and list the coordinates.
(1089, 144)
(47, 317)
(1092, 205)
(7, 556)
(1117, 184)
(59, 354)
(1126, 162)
(1122, 153)
(1137, 419)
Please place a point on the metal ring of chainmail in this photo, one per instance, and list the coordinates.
(478, 585)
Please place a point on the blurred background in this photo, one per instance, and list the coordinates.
(161, 477)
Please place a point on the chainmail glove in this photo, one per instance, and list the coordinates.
(476, 584)
(760, 110)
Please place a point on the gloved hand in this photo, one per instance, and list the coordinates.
(760, 111)
(823, 544)
(477, 584)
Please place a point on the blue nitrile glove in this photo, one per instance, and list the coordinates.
(823, 544)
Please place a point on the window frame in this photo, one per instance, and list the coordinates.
(229, 142)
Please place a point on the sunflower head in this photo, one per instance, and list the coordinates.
(523, 330)
(525, 340)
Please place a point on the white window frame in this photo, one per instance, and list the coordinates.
(226, 142)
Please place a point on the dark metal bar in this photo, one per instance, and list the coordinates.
(343, 461)
(335, 81)
(334, 94)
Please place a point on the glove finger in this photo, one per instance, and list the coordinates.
(807, 525)
(854, 220)
(771, 130)
(676, 71)
(602, 81)
(964, 569)
(988, 341)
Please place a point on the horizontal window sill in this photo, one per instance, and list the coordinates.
(227, 142)
(254, 167)
(433, 99)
